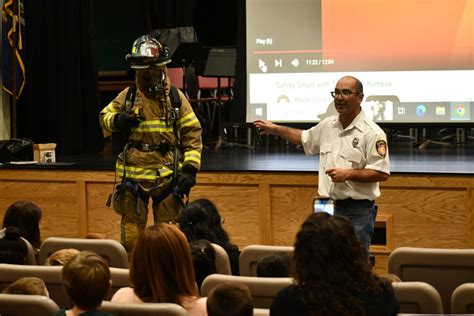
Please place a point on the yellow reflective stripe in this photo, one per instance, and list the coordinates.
(110, 108)
(108, 114)
(188, 120)
(193, 155)
(164, 172)
(108, 118)
(153, 126)
(137, 172)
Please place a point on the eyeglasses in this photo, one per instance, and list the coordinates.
(344, 92)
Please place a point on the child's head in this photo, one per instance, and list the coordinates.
(86, 278)
(26, 216)
(27, 285)
(61, 257)
(276, 265)
(204, 259)
(230, 299)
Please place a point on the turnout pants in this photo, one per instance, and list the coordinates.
(132, 205)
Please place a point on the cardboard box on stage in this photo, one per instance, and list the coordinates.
(44, 153)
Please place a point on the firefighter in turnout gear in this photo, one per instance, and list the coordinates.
(162, 147)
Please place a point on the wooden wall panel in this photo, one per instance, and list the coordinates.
(239, 205)
(58, 201)
(291, 205)
(428, 217)
(258, 207)
(101, 219)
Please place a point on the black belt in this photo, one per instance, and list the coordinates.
(349, 202)
(163, 148)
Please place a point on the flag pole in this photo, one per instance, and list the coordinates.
(13, 48)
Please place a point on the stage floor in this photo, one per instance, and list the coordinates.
(404, 158)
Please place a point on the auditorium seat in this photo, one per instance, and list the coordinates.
(120, 278)
(462, 300)
(109, 249)
(251, 255)
(51, 275)
(27, 305)
(444, 269)
(261, 312)
(263, 290)
(145, 309)
(31, 258)
(417, 298)
(222, 260)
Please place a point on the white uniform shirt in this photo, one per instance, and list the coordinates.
(361, 145)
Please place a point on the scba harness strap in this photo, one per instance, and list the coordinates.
(162, 147)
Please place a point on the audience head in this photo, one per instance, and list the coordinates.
(86, 278)
(390, 277)
(95, 236)
(276, 265)
(26, 216)
(27, 285)
(329, 261)
(201, 220)
(13, 249)
(230, 299)
(61, 257)
(204, 259)
(161, 269)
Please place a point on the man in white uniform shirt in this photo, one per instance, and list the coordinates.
(353, 156)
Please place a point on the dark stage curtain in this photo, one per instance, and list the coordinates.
(61, 98)
(238, 111)
(166, 14)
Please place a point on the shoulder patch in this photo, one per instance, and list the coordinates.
(381, 147)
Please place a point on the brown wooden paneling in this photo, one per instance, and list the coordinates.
(101, 219)
(58, 201)
(239, 206)
(428, 217)
(258, 207)
(291, 205)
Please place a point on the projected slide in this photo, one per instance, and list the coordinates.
(415, 58)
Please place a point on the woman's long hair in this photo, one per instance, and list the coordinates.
(330, 267)
(26, 216)
(201, 220)
(161, 268)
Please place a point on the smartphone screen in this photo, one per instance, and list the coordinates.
(323, 205)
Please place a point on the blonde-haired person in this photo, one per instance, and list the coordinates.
(86, 279)
(161, 271)
(61, 257)
(27, 285)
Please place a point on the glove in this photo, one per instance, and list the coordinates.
(125, 120)
(186, 181)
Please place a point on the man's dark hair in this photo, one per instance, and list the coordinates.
(230, 299)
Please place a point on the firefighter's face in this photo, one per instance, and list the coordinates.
(152, 81)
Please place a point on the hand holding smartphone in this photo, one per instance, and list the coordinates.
(323, 205)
